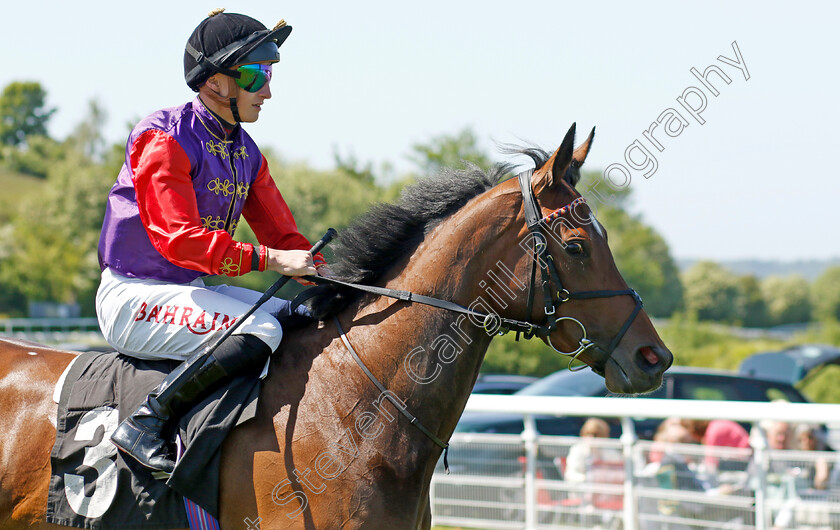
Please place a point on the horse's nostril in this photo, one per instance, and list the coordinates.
(649, 355)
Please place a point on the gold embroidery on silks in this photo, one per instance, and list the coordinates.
(242, 189)
(217, 149)
(232, 228)
(240, 152)
(213, 223)
(225, 187)
(228, 266)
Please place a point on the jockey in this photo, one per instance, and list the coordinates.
(189, 173)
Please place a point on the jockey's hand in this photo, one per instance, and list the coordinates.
(324, 270)
(290, 262)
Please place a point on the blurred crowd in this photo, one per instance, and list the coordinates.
(691, 455)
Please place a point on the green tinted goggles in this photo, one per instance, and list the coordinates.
(252, 77)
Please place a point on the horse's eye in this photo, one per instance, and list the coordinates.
(574, 248)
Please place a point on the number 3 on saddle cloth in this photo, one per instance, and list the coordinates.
(93, 486)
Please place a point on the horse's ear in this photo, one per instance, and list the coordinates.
(582, 150)
(558, 163)
(572, 175)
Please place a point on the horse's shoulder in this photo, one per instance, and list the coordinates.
(17, 352)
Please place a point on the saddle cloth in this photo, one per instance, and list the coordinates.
(94, 486)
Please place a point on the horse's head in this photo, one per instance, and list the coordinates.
(596, 316)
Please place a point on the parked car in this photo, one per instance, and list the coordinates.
(501, 383)
(792, 364)
(679, 383)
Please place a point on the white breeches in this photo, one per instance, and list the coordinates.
(151, 319)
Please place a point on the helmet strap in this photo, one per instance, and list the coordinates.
(220, 99)
(235, 111)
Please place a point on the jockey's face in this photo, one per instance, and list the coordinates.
(250, 103)
(218, 90)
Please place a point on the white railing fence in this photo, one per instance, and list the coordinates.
(522, 481)
(52, 331)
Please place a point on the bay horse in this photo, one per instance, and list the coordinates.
(328, 448)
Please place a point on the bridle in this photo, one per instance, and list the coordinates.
(551, 284)
(555, 295)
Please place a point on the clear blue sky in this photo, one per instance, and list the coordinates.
(757, 180)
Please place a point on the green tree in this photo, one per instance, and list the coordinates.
(787, 299)
(323, 199)
(449, 150)
(12, 300)
(525, 357)
(318, 200)
(23, 112)
(595, 188)
(51, 253)
(35, 159)
(351, 166)
(641, 254)
(750, 306)
(55, 235)
(87, 137)
(711, 292)
(825, 294)
(708, 345)
(645, 262)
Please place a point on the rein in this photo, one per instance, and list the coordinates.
(400, 406)
(489, 319)
(549, 275)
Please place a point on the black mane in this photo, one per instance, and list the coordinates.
(540, 157)
(378, 239)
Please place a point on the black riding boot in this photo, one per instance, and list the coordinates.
(139, 435)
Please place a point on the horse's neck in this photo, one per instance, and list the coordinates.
(430, 357)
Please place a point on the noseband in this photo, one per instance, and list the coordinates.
(555, 295)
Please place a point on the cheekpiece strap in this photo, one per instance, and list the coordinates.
(529, 202)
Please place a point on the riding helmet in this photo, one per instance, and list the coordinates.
(223, 40)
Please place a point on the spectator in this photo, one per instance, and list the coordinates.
(780, 487)
(677, 465)
(591, 463)
(583, 453)
(778, 435)
(719, 433)
(669, 430)
(809, 438)
(669, 423)
(672, 469)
